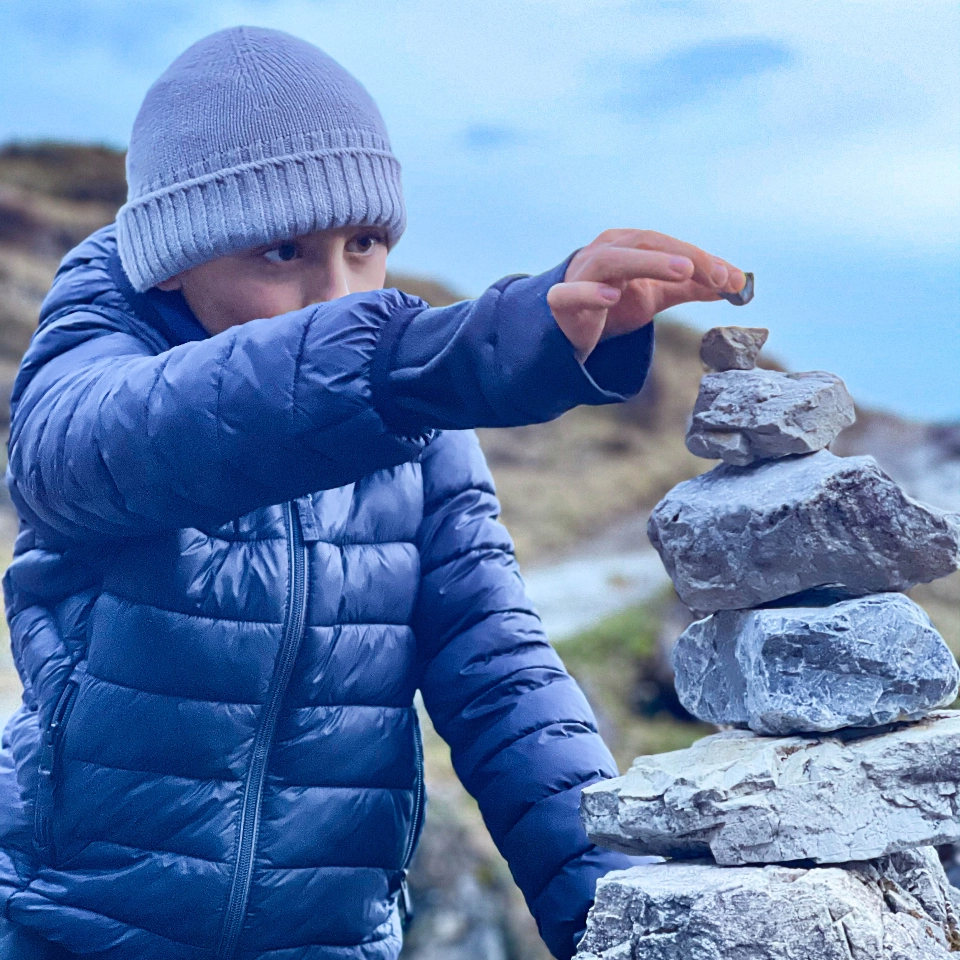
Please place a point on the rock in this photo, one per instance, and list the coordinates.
(746, 415)
(859, 663)
(737, 537)
(744, 295)
(732, 348)
(896, 908)
(744, 798)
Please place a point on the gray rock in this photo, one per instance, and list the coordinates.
(896, 908)
(860, 663)
(737, 537)
(732, 348)
(744, 798)
(746, 415)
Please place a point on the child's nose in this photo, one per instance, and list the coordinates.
(326, 283)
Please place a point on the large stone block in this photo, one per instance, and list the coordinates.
(897, 908)
(743, 798)
(859, 663)
(746, 415)
(738, 537)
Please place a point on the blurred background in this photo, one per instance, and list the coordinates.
(814, 143)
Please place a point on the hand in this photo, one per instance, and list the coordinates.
(616, 284)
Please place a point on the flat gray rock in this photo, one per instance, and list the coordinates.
(859, 663)
(732, 348)
(738, 537)
(746, 415)
(897, 908)
(743, 798)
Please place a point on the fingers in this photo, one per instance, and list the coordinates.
(709, 271)
(674, 294)
(619, 265)
(580, 309)
(648, 271)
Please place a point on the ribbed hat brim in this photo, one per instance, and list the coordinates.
(189, 223)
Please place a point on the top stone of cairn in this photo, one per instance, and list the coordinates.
(732, 348)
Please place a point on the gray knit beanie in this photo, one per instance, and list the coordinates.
(249, 137)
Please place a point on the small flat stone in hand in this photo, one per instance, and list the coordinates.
(732, 348)
(744, 295)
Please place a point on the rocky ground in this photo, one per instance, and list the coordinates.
(575, 496)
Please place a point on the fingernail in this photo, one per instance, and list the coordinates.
(680, 265)
(609, 294)
(719, 274)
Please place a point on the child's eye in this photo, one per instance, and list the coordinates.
(365, 242)
(285, 252)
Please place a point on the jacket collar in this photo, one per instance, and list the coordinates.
(168, 311)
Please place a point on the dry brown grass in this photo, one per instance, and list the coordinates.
(66, 171)
(568, 480)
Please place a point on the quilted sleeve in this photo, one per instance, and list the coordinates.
(522, 736)
(110, 438)
(500, 361)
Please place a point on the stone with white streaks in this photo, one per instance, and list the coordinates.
(858, 663)
(743, 798)
(745, 415)
(738, 537)
(897, 908)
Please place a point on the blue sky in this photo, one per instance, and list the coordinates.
(815, 143)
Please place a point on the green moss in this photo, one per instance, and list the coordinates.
(608, 661)
(630, 634)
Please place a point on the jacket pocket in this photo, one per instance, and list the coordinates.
(49, 769)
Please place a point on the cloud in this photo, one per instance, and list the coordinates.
(693, 73)
(128, 31)
(490, 136)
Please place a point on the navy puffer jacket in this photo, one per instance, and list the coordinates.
(239, 557)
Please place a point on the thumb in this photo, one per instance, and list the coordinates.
(580, 309)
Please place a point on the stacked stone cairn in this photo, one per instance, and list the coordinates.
(805, 830)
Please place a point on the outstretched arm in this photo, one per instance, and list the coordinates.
(522, 736)
(110, 438)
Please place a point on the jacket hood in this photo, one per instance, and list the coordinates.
(92, 276)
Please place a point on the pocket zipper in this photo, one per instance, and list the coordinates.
(49, 760)
(404, 902)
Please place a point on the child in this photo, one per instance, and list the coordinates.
(254, 519)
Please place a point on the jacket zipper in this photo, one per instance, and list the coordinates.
(256, 774)
(49, 757)
(406, 904)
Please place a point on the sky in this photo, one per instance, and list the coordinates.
(814, 143)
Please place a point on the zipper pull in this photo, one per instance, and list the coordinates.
(405, 903)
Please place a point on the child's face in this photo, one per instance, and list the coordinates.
(274, 279)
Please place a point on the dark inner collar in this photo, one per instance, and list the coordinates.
(168, 311)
